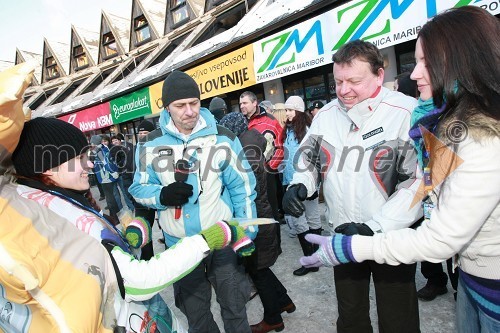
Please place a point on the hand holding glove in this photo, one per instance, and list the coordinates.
(293, 200)
(353, 228)
(222, 234)
(333, 251)
(176, 194)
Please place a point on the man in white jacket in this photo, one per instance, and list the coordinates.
(358, 146)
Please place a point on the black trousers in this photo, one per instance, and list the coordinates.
(108, 189)
(396, 296)
(128, 179)
(272, 194)
(435, 274)
(278, 178)
(193, 294)
(272, 294)
(99, 187)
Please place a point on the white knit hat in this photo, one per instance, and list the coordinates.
(267, 105)
(295, 103)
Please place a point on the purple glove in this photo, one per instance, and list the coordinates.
(333, 251)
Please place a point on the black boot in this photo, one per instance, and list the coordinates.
(307, 249)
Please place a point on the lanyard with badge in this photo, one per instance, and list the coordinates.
(429, 199)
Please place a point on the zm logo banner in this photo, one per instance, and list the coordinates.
(383, 22)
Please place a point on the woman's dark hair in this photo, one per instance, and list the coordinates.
(299, 125)
(461, 48)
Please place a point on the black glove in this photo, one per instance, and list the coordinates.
(352, 228)
(176, 194)
(292, 200)
(314, 196)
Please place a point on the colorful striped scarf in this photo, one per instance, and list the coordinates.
(426, 114)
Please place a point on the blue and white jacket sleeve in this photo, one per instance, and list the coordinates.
(146, 187)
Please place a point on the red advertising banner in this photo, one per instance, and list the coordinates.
(89, 119)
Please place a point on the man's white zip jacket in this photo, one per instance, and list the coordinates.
(223, 182)
(366, 161)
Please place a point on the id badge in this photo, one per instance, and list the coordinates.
(428, 206)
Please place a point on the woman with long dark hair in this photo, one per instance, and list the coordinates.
(295, 129)
(456, 130)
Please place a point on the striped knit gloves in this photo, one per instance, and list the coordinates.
(138, 232)
(223, 233)
(333, 251)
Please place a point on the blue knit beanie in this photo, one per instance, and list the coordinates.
(236, 122)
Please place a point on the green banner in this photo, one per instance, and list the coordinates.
(131, 106)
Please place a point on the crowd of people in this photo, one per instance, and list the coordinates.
(400, 183)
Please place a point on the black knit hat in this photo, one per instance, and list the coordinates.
(218, 108)
(46, 143)
(178, 85)
(317, 105)
(146, 125)
(217, 103)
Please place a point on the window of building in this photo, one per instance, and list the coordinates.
(176, 3)
(313, 85)
(315, 88)
(310, 89)
(210, 4)
(217, 2)
(179, 12)
(169, 49)
(109, 45)
(68, 91)
(142, 30)
(406, 62)
(405, 56)
(37, 102)
(331, 87)
(80, 57)
(42, 98)
(223, 22)
(295, 88)
(26, 97)
(97, 81)
(52, 68)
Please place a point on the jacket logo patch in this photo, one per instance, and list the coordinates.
(378, 144)
(166, 152)
(372, 133)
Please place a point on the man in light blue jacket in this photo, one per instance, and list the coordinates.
(212, 182)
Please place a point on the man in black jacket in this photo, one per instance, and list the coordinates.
(273, 294)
